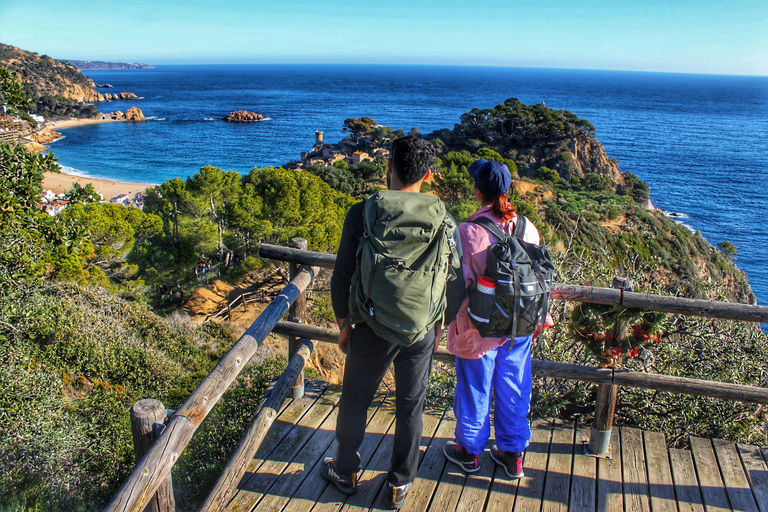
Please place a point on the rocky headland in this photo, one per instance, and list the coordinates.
(95, 64)
(243, 116)
(50, 80)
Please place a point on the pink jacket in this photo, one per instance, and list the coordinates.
(464, 340)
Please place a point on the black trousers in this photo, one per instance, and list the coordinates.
(368, 360)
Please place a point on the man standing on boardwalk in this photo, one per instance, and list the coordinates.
(396, 252)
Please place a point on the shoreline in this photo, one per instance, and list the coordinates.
(71, 123)
(61, 183)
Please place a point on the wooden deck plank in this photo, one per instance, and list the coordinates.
(633, 464)
(609, 481)
(315, 489)
(285, 421)
(450, 483)
(711, 485)
(757, 473)
(371, 495)
(371, 450)
(736, 482)
(583, 496)
(294, 475)
(525, 493)
(252, 487)
(477, 485)
(660, 483)
(686, 483)
(431, 467)
(290, 412)
(558, 479)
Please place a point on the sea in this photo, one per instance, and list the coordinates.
(699, 141)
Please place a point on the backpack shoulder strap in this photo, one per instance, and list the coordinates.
(491, 227)
(519, 231)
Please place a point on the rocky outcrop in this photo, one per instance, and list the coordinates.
(45, 136)
(243, 116)
(577, 155)
(120, 96)
(133, 115)
(35, 147)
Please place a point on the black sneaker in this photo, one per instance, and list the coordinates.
(456, 453)
(344, 483)
(396, 494)
(512, 462)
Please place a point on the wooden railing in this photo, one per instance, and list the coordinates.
(153, 470)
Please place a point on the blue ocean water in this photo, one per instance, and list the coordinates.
(699, 141)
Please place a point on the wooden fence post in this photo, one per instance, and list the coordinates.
(605, 406)
(297, 313)
(147, 422)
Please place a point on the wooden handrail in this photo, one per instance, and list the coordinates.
(157, 463)
(570, 292)
(583, 373)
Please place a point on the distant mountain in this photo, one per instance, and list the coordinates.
(95, 64)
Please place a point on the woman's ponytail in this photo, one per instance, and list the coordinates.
(502, 208)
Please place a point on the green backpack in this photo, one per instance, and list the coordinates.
(403, 262)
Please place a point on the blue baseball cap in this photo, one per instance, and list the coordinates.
(491, 178)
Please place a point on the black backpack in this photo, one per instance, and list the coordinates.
(522, 273)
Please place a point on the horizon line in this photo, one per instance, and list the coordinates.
(404, 65)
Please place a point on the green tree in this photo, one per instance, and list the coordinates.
(546, 174)
(12, 93)
(210, 190)
(298, 203)
(82, 195)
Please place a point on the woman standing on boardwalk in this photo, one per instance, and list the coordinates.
(485, 365)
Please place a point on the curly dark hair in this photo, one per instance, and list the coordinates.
(412, 157)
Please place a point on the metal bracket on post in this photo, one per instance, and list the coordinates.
(599, 444)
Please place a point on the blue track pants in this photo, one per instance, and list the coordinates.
(507, 374)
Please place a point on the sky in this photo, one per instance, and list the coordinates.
(703, 36)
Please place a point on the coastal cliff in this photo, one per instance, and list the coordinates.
(44, 76)
(55, 87)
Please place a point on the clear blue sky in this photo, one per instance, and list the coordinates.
(703, 36)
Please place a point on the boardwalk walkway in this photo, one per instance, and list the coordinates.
(642, 473)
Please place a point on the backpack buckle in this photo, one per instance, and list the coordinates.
(366, 234)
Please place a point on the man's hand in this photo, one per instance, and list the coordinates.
(345, 332)
(438, 336)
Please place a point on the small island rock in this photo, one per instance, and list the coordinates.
(134, 115)
(243, 116)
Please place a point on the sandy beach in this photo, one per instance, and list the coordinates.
(61, 183)
(70, 123)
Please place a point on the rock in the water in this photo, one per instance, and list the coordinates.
(134, 115)
(128, 96)
(243, 116)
